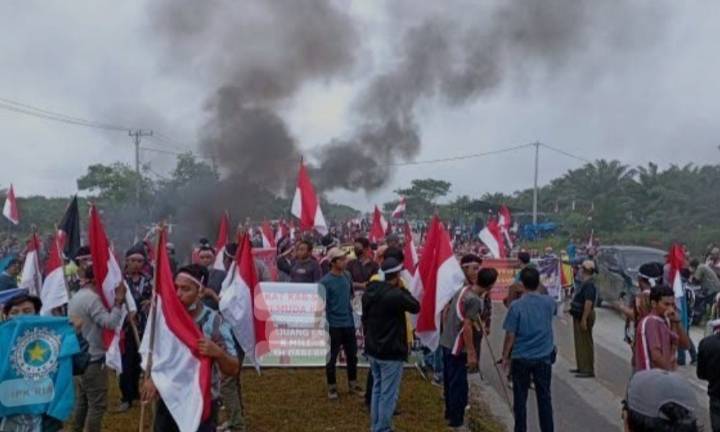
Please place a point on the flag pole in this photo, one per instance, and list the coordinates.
(153, 317)
(62, 265)
(503, 381)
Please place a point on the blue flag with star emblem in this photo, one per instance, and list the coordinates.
(36, 371)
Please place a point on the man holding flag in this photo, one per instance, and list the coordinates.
(87, 307)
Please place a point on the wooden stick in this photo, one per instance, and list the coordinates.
(153, 326)
(503, 380)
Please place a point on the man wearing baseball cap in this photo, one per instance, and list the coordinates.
(336, 289)
(660, 401)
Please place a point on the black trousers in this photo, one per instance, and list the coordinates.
(129, 379)
(345, 337)
(455, 387)
(164, 421)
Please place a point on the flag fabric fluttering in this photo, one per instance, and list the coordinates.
(410, 254)
(222, 240)
(676, 260)
(31, 275)
(379, 227)
(10, 209)
(54, 289)
(439, 276)
(283, 230)
(170, 355)
(243, 307)
(268, 238)
(492, 237)
(505, 223)
(69, 229)
(400, 209)
(107, 278)
(306, 205)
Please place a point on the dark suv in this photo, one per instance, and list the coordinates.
(618, 269)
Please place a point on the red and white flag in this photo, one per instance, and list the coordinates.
(54, 290)
(180, 373)
(306, 205)
(492, 237)
(107, 278)
(222, 240)
(676, 260)
(505, 222)
(410, 255)
(243, 307)
(379, 227)
(400, 209)
(31, 276)
(438, 278)
(283, 231)
(268, 238)
(10, 209)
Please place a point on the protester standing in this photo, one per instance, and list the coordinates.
(87, 307)
(582, 309)
(303, 268)
(708, 370)
(211, 291)
(8, 278)
(529, 350)
(217, 344)
(363, 267)
(660, 334)
(384, 306)
(336, 289)
(705, 276)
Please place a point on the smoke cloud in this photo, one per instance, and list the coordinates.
(258, 54)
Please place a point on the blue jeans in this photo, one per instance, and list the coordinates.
(540, 370)
(386, 389)
(455, 387)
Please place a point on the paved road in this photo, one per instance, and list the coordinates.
(588, 405)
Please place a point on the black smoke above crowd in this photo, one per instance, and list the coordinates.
(257, 55)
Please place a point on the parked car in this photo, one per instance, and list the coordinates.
(618, 269)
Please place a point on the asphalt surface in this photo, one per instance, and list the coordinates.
(587, 405)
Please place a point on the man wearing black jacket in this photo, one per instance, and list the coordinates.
(707, 369)
(384, 305)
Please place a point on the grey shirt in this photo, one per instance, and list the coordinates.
(707, 278)
(471, 306)
(87, 305)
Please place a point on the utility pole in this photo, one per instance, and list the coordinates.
(137, 135)
(535, 188)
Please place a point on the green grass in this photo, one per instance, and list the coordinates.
(296, 400)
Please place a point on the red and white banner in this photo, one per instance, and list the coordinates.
(676, 259)
(268, 238)
(379, 227)
(107, 278)
(242, 304)
(492, 237)
(180, 373)
(505, 222)
(54, 289)
(10, 209)
(222, 240)
(438, 278)
(306, 205)
(31, 276)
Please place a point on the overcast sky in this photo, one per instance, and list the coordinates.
(655, 100)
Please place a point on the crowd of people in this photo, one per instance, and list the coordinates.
(370, 279)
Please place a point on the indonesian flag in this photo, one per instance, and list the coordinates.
(31, 276)
(676, 259)
(306, 205)
(107, 278)
(492, 237)
(180, 373)
(221, 241)
(282, 231)
(505, 222)
(379, 227)
(438, 278)
(10, 209)
(410, 255)
(54, 291)
(400, 209)
(268, 238)
(243, 307)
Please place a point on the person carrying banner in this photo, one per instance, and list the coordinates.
(27, 305)
(384, 306)
(217, 344)
(336, 289)
(87, 307)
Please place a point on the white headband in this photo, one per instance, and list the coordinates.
(191, 278)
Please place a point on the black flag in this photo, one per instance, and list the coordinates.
(70, 226)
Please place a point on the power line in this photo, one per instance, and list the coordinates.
(460, 157)
(562, 152)
(171, 152)
(22, 108)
